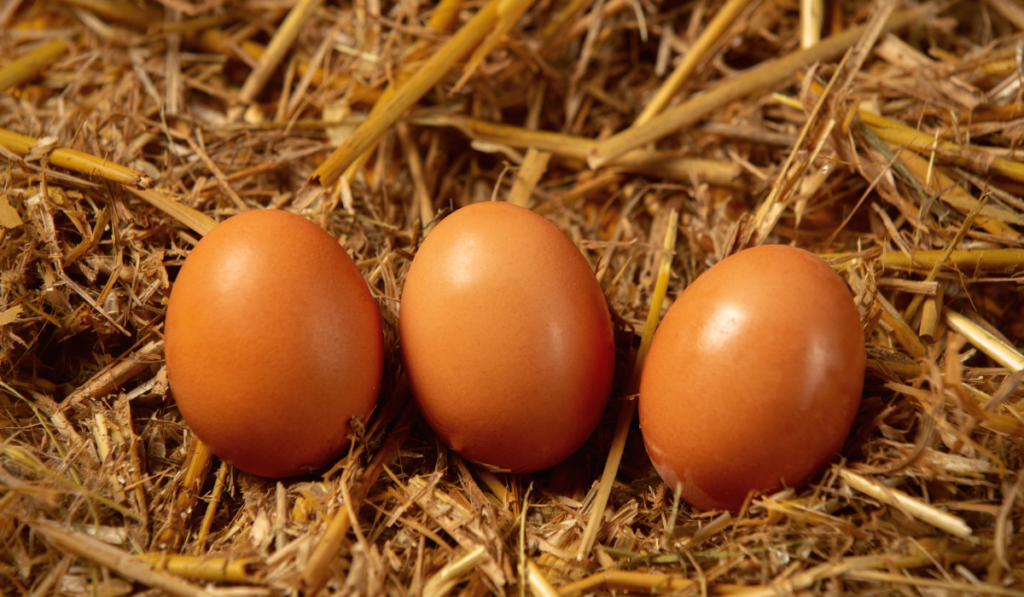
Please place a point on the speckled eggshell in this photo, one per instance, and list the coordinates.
(506, 338)
(273, 343)
(754, 377)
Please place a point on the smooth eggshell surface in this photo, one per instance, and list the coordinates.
(506, 338)
(754, 377)
(273, 343)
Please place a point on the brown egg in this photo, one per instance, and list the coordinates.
(506, 338)
(273, 343)
(754, 377)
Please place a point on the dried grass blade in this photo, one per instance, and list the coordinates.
(767, 74)
(29, 65)
(23, 458)
(611, 467)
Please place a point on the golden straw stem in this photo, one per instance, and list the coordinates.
(725, 17)
(197, 465)
(990, 217)
(28, 66)
(767, 74)
(534, 165)
(918, 509)
(627, 580)
(812, 12)
(115, 374)
(117, 560)
(193, 218)
(211, 509)
(611, 466)
(945, 586)
(398, 104)
(985, 341)
(571, 147)
(217, 569)
(122, 12)
(214, 41)
(276, 49)
(77, 161)
(539, 583)
(445, 15)
(974, 258)
(968, 157)
(446, 578)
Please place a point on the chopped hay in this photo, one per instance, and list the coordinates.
(129, 128)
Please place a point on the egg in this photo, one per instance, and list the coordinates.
(506, 338)
(754, 377)
(273, 343)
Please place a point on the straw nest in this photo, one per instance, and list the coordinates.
(880, 135)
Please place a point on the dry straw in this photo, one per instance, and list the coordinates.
(882, 136)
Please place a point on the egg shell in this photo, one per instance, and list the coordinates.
(506, 338)
(273, 343)
(753, 378)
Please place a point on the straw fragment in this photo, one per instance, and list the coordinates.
(30, 65)
(987, 342)
(530, 172)
(718, 25)
(74, 160)
(442, 583)
(628, 581)
(625, 419)
(941, 520)
(409, 93)
(656, 163)
(283, 38)
(314, 575)
(765, 75)
(114, 559)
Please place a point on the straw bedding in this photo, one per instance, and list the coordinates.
(128, 129)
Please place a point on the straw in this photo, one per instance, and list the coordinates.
(766, 75)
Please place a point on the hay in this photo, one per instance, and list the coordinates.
(129, 128)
